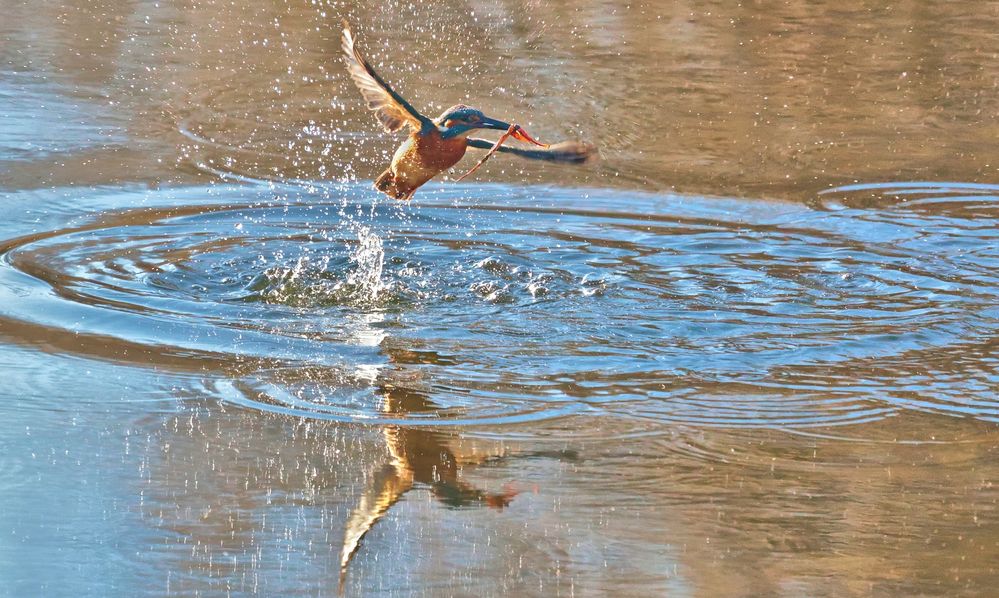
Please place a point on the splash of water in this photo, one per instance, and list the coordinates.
(369, 261)
(327, 278)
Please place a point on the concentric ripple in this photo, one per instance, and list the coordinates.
(499, 305)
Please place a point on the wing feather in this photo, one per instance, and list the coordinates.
(389, 107)
(567, 152)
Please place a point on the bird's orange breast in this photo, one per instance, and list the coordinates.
(421, 157)
(437, 152)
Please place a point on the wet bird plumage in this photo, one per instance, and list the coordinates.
(434, 146)
(420, 158)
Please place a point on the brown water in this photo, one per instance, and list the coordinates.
(751, 351)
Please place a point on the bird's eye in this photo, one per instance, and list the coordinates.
(473, 118)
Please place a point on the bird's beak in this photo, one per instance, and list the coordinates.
(516, 131)
(492, 123)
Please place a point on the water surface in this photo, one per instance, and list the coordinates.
(749, 352)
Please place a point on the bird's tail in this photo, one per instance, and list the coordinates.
(387, 184)
(385, 181)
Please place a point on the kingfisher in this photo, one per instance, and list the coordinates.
(434, 146)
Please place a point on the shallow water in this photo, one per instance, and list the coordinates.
(728, 359)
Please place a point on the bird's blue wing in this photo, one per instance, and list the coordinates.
(567, 152)
(391, 109)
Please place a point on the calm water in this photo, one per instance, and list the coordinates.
(751, 352)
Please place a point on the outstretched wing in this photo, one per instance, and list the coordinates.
(567, 152)
(389, 107)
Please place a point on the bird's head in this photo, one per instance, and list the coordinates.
(459, 120)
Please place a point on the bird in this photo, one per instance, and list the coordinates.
(435, 145)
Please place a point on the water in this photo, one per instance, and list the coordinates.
(750, 352)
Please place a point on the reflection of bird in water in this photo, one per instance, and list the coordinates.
(418, 456)
(434, 146)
